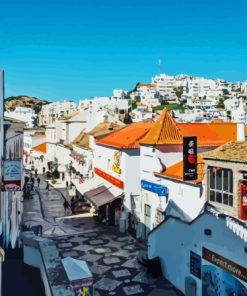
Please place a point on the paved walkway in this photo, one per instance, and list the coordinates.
(112, 256)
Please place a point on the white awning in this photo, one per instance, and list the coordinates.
(95, 183)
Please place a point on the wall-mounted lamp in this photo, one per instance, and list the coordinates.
(208, 232)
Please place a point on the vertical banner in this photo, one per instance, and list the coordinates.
(189, 158)
(12, 175)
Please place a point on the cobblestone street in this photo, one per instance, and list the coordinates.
(111, 255)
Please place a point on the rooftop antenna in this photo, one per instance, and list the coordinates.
(159, 65)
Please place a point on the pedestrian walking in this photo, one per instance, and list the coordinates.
(66, 207)
(33, 180)
(36, 173)
(47, 186)
(38, 181)
(43, 170)
(67, 184)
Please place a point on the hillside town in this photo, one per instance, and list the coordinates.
(140, 193)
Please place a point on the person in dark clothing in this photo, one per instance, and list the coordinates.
(67, 184)
(47, 186)
(66, 207)
(38, 181)
(43, 170)
(36, 173)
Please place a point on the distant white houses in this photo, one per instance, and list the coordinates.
(24, 114)
(53, 111)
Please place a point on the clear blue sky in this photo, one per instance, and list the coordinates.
(80, 48)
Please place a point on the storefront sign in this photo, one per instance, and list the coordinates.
(12, 175)
(116, 182)
(156, 188)
(225, 264)
(190, 158)
(195, 264)
(116, 163)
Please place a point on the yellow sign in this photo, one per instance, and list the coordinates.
(116, 163)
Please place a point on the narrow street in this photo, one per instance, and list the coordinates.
(111, 255)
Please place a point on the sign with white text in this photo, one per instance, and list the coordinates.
(12, 175)
(190, 158)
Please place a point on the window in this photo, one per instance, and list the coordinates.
(147, 210)
(220, 186)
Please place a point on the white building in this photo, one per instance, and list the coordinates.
(116, 166)
(162, 166)
(24, 114)
(11, 202)
(203, 257)
(2, 254)
(101, 103)
(53, 111)
(211, 249)
(31, 138)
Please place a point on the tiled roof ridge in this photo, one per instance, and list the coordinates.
(164, 131)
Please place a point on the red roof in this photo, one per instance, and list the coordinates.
(40, 148)
(166, 131)
(176, 171)
(127, 137)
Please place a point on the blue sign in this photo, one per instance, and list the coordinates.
(156, 188)
(195, 264)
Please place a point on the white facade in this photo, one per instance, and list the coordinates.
(2, 204)
(22, 113)
(100, 103)
(174, 240)
(51, 112)
(129, 164)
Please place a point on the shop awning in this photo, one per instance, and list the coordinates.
(98, 190)
(101, 196)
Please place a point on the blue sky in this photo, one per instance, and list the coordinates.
(73, 49)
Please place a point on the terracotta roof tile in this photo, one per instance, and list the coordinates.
(127, 137)
(232, 151)
(40, 148)
(105, 128)
(166, 131)
(176, 171)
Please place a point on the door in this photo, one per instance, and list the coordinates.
(147, 219)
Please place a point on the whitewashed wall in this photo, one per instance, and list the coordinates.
(173, 240)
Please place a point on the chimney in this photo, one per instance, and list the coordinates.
(240, 131)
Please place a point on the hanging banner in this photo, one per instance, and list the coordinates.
(189, 158)
(225, 264)
(12, 175)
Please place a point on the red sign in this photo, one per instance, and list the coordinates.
(118, 183)
(225, 264)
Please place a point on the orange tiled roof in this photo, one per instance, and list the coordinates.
(146, 85)
(210, 134)
(176, 171)
(127, 137)
(40, 148)
(166, 131)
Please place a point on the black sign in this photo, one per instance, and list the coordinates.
(190, 158)
(195, 264)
